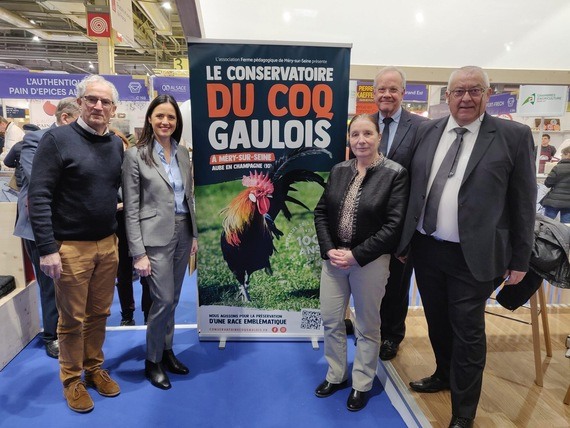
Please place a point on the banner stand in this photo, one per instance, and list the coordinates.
(269, 121)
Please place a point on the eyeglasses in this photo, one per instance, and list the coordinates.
(389, 90)
(473, 92)
(92, 101)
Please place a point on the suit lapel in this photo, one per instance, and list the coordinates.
(183, 165)
(159, 167)
(484, 138)
(401, 131)
(431, 143)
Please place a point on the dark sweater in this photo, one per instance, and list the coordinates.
(73, 188)
(559, 181)
(382, 200)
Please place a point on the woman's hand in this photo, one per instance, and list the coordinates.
(341, 259)
(142, 266)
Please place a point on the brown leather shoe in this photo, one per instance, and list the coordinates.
(77, 397)
(102, 382)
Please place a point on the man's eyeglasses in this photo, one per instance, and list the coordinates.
(392, 91)
(92, 101)
(473, 92)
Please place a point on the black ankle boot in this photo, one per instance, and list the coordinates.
(173, 364)
(156, 375)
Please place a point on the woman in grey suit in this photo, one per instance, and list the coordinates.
(161, 227)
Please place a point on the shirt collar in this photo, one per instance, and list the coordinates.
(396, 116)
(159, 149)
(472, 127)
(84, 125)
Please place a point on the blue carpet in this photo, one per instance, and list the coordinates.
(186, 312)
(249, 384)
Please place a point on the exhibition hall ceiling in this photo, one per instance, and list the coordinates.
(506, 34)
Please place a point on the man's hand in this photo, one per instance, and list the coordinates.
(513, 277)
(51, 265)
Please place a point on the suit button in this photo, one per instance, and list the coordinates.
(423, 196)
(416, 218)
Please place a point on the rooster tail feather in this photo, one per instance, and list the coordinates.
(296, 201)
(271, 226)
(280, 166)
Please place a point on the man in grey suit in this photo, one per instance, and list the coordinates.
(67, 111)
(398, 127)
(469, 224)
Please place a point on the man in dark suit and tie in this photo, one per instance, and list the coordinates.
(398, 127)
(470, 220)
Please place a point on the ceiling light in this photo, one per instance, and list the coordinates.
(36, 39)
(156, 14)
(166, 5)
(32, 22)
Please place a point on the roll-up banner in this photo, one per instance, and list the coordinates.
(269, 121)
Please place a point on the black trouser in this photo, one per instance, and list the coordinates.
(47, 294)
(125, 275)
(395, 302)
(454, 304)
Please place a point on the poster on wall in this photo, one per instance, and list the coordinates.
(269, 121)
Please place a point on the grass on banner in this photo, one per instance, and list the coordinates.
(296, 263)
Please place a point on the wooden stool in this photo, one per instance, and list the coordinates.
(534, 316)
(567, 398)
(534, 312)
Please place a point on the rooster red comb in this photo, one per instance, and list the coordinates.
(259, 180)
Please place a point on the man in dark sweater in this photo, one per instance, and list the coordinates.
(72, 203)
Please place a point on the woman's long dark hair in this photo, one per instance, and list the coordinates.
(146, 140)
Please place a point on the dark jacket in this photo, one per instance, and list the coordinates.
(551, 251)
(12, 160)
(559, 182)
(549, 261)
(382, 200)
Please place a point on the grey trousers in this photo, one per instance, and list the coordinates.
(168, 269)
(367, 285)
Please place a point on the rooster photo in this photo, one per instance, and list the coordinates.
(252, 226)
(268, 124)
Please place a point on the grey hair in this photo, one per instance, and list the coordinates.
(389, 69)
(95, 78)
(67, 105)
(470, 69)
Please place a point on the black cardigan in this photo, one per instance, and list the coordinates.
(382, 200)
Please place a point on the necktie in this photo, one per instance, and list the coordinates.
(446, 170)
(385, 135)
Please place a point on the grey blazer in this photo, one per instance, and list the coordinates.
(149, 200)
(497, 197)
(23, 227)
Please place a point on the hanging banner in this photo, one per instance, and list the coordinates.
(540, 100)
(122, 21)
(178, 87)
(269, 121)
(26, 85)
(502, 104)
